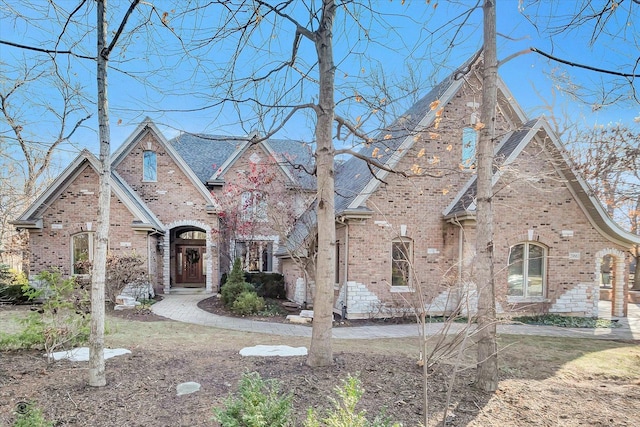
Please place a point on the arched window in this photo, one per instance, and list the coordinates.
(527, 270)
(401, 256)
(81, 252)
(469, 140)
(149, 166)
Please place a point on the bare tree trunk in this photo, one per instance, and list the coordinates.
(487, 358)
(97, 377)
(320, 352)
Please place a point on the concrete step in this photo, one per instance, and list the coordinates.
(187, 291)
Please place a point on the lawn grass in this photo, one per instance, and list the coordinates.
(531, 357)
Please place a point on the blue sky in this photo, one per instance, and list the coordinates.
(398, 50)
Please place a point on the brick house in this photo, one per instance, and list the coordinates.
(408, 240)
(168, 207)
(190, 205)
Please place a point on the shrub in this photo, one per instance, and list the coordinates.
(61, 322)
(231, 291)
(344, 410)
(268, 285)
(248, 302)
(258, 403)
(235, 285)
(11, 283)
(30, 415)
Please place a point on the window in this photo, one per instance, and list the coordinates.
(81, 253)
(401, 253)
(254, 206)
(149, 166)
(192, 235)
(255, 255)
(526, 270)
(469, 140)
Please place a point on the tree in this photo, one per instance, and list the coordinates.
(276, 103)
(256, 201)
(487, 358)
(609, 158)
(97, 376)
(27, 154)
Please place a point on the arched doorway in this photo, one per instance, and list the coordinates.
(610, 282)
(189, 246)
(188, 258)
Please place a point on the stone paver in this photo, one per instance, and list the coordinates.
(184, 308)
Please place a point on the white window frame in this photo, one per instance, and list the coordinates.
(525, 297)
(253, 205)
(469, 145)
(90, 250)
(146, 171)
(407, 245)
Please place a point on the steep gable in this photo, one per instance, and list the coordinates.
(211, 156)
(356, 180)
(144, 219)
(127, 161)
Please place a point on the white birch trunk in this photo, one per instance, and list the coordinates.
(97, 377)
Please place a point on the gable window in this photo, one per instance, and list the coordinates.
(401, 255)
(81, 252)
(469, 140)
(254, 206)
(526, 270)
(149, 166)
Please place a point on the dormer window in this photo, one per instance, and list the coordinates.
(149, 166)
(469, 140)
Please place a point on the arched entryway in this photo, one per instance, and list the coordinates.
(187, 256)
(610, 279)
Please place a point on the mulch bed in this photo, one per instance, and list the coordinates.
(214, 305)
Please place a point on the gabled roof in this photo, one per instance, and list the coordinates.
(31, 218)
(148, 126)
(505, 153)
(211, 156)
(464, 205)
(354, 181)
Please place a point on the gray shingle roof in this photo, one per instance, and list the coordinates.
(465, 202)
(205, 154)
(354, 174)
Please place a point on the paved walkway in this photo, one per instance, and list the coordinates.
(184, 308)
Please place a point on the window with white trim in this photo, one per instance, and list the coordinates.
(469, 141)
(526, 272)
(82, 246)
(253, 206)
(401, 255)
(149, 166)
(255, 255)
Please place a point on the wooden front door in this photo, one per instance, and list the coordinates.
(190, 262)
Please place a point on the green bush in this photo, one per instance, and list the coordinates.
(268, 285)
(231, 292)
(61, 322)
(247, 303)
(11, 283)
(235, 285)
(31, 416)
(344, 412)
(258, 403)
(565, 321)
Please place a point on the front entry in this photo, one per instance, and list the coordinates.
(190, 265)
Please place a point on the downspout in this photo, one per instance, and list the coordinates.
(342, 221)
